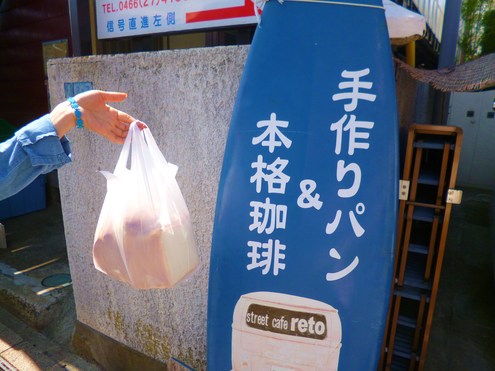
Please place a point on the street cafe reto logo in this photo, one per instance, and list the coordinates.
(287, 322)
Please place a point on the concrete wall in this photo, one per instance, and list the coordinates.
(186, 97)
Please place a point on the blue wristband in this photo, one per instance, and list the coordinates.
(77, 112)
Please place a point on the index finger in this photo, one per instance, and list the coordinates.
(113, 96)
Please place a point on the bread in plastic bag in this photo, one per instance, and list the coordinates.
(144, 235)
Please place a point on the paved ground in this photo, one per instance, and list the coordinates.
(23, 349)
(462, 338)
(463, 331)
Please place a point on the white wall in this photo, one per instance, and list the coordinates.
(186, 97)
(474, 113)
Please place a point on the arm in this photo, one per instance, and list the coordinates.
(41, 146)
(35, 149)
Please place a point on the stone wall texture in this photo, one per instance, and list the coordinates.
(186, 98)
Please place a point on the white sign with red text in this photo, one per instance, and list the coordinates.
(119, 18)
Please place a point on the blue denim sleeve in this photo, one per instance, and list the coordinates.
(35, 149)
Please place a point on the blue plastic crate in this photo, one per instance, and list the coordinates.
(30, 199)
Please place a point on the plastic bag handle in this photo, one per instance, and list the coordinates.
(154, 147)
(142, 139)
(126, 149)
(157, 154)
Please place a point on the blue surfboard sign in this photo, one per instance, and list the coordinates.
(304, 233)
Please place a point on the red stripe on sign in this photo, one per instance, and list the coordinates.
(247, 10)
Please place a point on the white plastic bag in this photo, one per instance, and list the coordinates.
(144, 234)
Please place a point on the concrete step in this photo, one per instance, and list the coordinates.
(37, 310)
(35, 283)
(49, 310)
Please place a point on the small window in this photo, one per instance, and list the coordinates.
(470, 114)
(490, 115)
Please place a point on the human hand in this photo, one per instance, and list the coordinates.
(97, 116)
